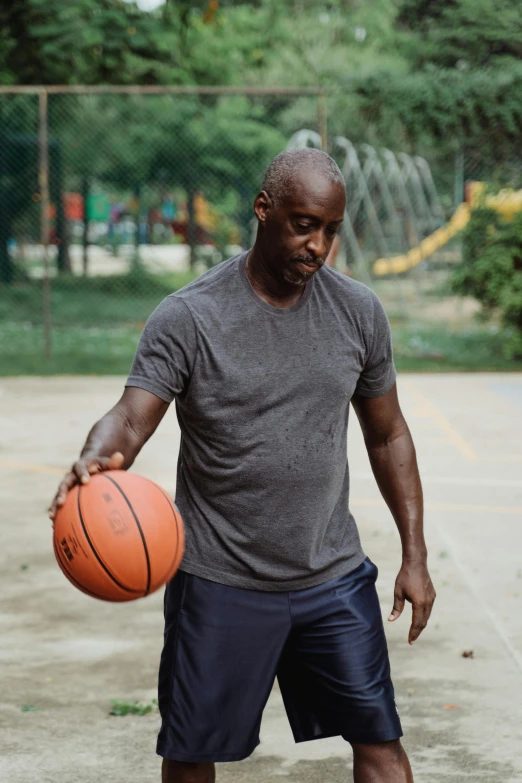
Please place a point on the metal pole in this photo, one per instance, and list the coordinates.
(458, 196)
(322, 120)
(154, 89)
(43, 183)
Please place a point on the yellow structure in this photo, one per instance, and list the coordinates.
(507, 202)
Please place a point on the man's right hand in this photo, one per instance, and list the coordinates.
(81, 472)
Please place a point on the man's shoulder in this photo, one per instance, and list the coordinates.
(211, 282)
(338, 284)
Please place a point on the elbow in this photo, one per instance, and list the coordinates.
(383, 440)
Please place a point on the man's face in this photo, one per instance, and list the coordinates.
(296, 236)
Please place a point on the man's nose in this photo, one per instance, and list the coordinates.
(317, 245)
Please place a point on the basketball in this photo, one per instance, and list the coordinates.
(119, 537)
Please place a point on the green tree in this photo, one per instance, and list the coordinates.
(462, 33)
(83, 42)
(491, 272)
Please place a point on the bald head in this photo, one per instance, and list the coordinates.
(299, 211)
(287, 167)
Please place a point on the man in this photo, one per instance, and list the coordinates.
(263, 355)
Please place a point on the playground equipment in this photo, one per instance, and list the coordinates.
(394, 219)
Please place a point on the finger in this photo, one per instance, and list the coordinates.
(59, 499)
(418, 622)
(116, 461)
(98, 465)
(82, 471)
(398, 606)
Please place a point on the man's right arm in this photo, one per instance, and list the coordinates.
(115, 440)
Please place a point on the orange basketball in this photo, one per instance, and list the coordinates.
(119, 537)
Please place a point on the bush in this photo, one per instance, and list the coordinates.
(491, 272)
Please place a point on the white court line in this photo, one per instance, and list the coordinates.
(454, 480)
(468, 578)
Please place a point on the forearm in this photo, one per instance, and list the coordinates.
(112, 433)
(394, 465)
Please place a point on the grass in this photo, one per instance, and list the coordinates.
(435, 348)
(96, 301)
(97, 323)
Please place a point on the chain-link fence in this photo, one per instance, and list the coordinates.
(112, 198)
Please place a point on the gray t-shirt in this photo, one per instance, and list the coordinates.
(262, 398)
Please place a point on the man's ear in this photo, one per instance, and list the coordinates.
(262, 205)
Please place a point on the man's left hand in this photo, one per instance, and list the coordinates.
(414, 584)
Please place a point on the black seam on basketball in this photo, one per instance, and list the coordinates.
(169, 502)
(139, 528)
(97, 556)
(68, 574)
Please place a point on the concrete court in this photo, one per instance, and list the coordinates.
(69, 655)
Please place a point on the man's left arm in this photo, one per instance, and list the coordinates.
(394, 463)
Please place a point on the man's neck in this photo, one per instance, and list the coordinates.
(278, 293)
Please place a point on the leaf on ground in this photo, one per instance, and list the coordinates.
(29, 708)
(132, 707)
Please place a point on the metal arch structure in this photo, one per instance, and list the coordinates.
(360, 207)
(412, 180)
(304, 138)
(373, 172)
(430, 189)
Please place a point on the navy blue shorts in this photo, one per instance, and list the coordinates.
(224, 647)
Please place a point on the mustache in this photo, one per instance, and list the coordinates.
(308, 260)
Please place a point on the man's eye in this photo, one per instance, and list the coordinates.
(303, 226)
(332, 231)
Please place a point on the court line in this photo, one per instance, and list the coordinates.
(452, 434)
(463, 570)
(30, 467)
(474, 589)
(473, 508)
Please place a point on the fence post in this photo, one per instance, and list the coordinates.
(458, 188)
(322, 120)
(43, 183)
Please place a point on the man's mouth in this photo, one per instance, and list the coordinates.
(307, 265)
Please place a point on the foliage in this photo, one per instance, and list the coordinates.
(491, 272)
(86, 42)
(191, 41)
(462, 33)
(479, 109)
(132, 707)
(462, 87)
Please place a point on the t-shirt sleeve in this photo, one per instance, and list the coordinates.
(378, 374)
(166, 352)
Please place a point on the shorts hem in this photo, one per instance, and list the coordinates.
(202, 758)
(366, 737)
